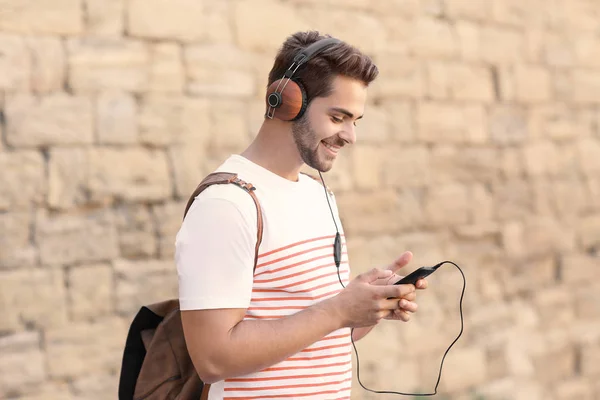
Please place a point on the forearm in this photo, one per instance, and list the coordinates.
(359, 333)
(253, 345)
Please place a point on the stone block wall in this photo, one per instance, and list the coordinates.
(480, 145)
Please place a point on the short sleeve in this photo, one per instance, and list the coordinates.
(214, 252)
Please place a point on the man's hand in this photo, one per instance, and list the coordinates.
(406, 304)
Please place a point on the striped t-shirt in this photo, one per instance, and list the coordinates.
(295, 270)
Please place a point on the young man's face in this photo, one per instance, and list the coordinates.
(329, 123)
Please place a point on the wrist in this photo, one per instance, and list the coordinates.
(333, 312)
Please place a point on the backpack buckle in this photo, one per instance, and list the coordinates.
(243, 185)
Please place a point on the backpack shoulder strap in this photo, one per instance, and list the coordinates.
(222, 178)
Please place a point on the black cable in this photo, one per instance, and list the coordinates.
(337, 258)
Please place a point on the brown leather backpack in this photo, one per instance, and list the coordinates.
(156, 364)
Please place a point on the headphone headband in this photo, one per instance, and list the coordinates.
(275, 99)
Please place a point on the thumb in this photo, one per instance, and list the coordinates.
(400, 262)
(375, 274)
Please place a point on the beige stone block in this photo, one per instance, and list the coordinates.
(569, 197)
(16, 249)
(21, 362)
(104, 17)
(398, 31)
(399, 77)
(162, 19)
(558, 50)
(401, 126)
(577, 14)
(546, 234)
(589, 155)
(517, 13)
(433, 38)
(482, 198)
(362, 30)
(229, 126)
(407, 8)
(405, 166)
(375, 126)
(587, 50)
(146, 177)
(447, 204)
(449, 163)
(469, 39)
(252, 18)
(90, 291)
(55, 119)
(508, 124)
(553, 365)
(96, 386)
(23, 179)
(35, 297)
(468, 9)
(168, 219)
(502, 45)
(48, 390)
(542, 196)
(512, 238)
(589, 361)
(15, 64)
(512, 198)
(220, 70)
(586, 86)
(48, 61)
(116, 118)
(167, 74)
(589, 230)
(97, 64)
(574, 388)
(460, 360)
(68, 172)
(511, 162)
(578, 268)
(137, 237)
(444, 123)
(451, 80)
(190, 165)
(526, 84)
(368, 166)
(587, 303)
(541, 158)
(160, 283)
(561, 122)
(168, 120)
(100, 341)
(59, 17)
(375, 212)
(65, 239)
(217, 21)
(555, 306)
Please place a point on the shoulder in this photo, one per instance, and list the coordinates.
(318, 182)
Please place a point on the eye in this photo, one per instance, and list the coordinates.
(336, 120)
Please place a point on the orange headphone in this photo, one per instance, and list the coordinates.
(291, 101)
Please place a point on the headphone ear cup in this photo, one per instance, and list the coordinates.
(304, 101)
(291, 102)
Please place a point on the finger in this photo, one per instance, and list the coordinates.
(401, 315)
(374, 274)
(400, 262)
(411, 296)
(409, 306)
(422, 284)
(389, 304)
(396, 291)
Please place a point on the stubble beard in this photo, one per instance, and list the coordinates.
(305, 137)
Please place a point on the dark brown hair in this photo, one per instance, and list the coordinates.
(317, 74)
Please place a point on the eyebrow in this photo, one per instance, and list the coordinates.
(344, 111)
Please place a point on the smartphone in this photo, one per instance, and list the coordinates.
(414, 276)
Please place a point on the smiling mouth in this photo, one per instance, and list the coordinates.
(332, 149)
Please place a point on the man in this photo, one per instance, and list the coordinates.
(283, 329)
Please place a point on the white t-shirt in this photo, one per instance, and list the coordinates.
(215, 249)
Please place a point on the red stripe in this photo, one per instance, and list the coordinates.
(289, 246)
(305, 367)
(291, 395)
(307, 290)
(318, 357)
(312, 298)
(333, 346)
(276, 378)
(272, 271)
(294, 255)
(314, 278)
(248, 389)
(304, 271)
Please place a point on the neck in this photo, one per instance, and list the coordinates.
(274, 149)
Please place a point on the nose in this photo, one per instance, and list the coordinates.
(348, 135)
